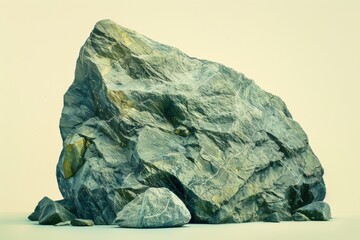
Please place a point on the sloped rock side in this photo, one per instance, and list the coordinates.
(156, 207)
(141, 114)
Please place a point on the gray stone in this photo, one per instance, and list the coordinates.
(300, 217)
(156, 207)
(62, 224)
(82, 222)
(36, 214)
(68, 204)
(316, 211)
(141, 114)
(49, 212)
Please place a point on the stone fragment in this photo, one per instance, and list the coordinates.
(156, 207)
(67, 204)
(316, 211)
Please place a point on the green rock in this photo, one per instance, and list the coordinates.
(156, 207)
(82, 222)
(66, 203)
(53, 213)
(316, 211)
(142, 114)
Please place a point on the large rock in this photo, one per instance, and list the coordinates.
(141, 114)
(316, 211)
(156, 207)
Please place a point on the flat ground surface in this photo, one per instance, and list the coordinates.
(16, 226)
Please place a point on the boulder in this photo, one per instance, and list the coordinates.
(142, 114)
(316, 211)
(156, 207)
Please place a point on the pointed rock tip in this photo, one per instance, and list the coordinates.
(109, 27)
(127, 37)
(105, 22)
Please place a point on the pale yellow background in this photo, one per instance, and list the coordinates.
(305, 51)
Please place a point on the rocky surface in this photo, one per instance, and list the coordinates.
(316, 211)
(278, 216)
(274, 217)
(82, 222)
(141, 114)
(156, 207)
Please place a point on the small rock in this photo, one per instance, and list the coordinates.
(82, 222)
(300, 217)
(61, 224)
(316, 211)
(68, 204)
(52, 213)
(157, 207)
(36, 214)
(274, 217)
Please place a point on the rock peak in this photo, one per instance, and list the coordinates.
(120, 36)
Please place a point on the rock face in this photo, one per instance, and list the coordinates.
(141, 114)
(317, 211)
(156, 207)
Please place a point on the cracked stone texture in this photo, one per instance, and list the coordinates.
(156, 207)
(141, 114)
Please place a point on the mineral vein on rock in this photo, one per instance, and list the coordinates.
(141, 114)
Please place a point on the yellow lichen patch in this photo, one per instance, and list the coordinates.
(217, 199)
(73, 156)
(121, 101)
(125, 39)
